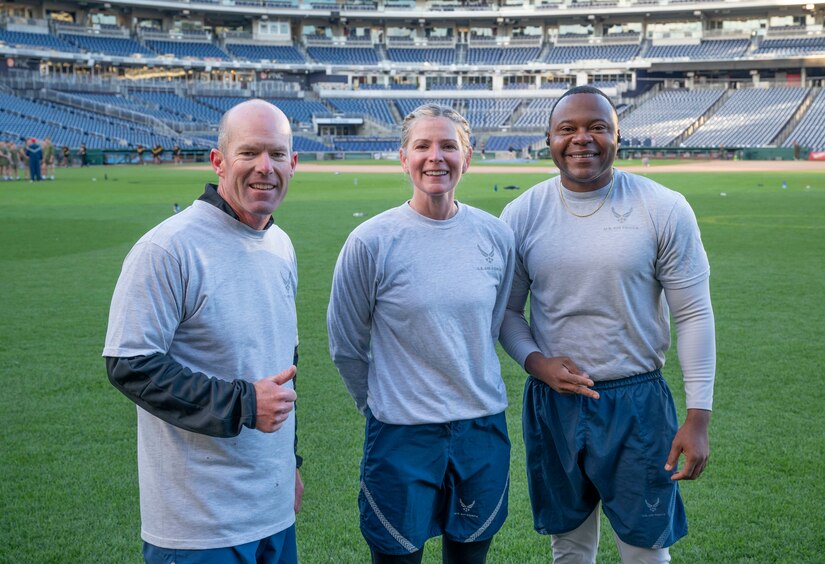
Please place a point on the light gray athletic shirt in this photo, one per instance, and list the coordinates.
(218, 297)
(415, 311)
(597, 284)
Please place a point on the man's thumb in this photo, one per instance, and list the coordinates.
(285, 376)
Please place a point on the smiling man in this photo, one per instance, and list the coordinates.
(203, 338)
(604, 257)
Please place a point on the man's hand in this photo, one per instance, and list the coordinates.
(561, 374)
(692, 440)
(275, 402)
(299, 490)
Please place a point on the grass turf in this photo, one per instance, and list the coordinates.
(67, 462)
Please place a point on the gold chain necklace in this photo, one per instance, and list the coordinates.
(571, 212)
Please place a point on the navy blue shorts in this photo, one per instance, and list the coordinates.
(279, 548)
(422, 481)
(613, 449)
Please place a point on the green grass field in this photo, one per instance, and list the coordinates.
(67, 455)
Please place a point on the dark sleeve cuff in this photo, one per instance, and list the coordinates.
(183, 398)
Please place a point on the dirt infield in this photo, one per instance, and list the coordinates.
(696, 166)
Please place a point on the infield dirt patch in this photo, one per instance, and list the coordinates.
(696, 166)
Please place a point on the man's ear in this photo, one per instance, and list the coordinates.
(216, 158)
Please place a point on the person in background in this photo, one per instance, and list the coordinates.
(5, 160)
(418, 295)
(157, 152)
(203, 337)
(14, 159)
(34, 154)
(605, 257)
(47, 166)
(23, 158)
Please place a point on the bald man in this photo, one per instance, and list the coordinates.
(202, 336)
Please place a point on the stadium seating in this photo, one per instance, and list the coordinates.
(749, 118)
(492, 71)
(535, 115)
(181, 109)
(439, 56)
(116, 46)
(516, 143)
(366, 144)
(299, 111)
(792, 46)
(344, 55)
(305, 145)
(276, 53)
(565, 54)
(667, 115)
(376, 109)
(718, 49)
(487, 113)
(72, 126)
(810, 132)
(186, 49)
(29, 40)
(407, 105)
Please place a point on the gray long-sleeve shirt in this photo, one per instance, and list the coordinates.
(415, 312)
(600, 287)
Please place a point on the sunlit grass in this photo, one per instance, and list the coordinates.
(67, 463)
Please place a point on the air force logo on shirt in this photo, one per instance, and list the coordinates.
(621, 216)
(489, 257)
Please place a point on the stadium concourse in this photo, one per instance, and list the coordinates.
(688, 78)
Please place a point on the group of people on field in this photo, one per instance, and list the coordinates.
(35, 160)
(203, 337)
(157, 153)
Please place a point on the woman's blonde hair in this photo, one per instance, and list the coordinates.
(462, 127)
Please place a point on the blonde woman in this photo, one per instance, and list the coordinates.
(418, 296)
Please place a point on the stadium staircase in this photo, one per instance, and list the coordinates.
(643, 49)
(545, 51)
(794, 120)
(461, 54)
(381, 51)
(396, 113)
(691, 129)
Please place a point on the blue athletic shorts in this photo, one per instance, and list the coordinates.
(422, 481)
(613, 449)
(279, 548)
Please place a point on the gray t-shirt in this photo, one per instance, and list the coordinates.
(596, 283)
(415, 311)
(219, 298)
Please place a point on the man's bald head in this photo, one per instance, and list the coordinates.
(251, 109)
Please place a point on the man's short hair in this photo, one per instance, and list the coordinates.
(585, 89)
